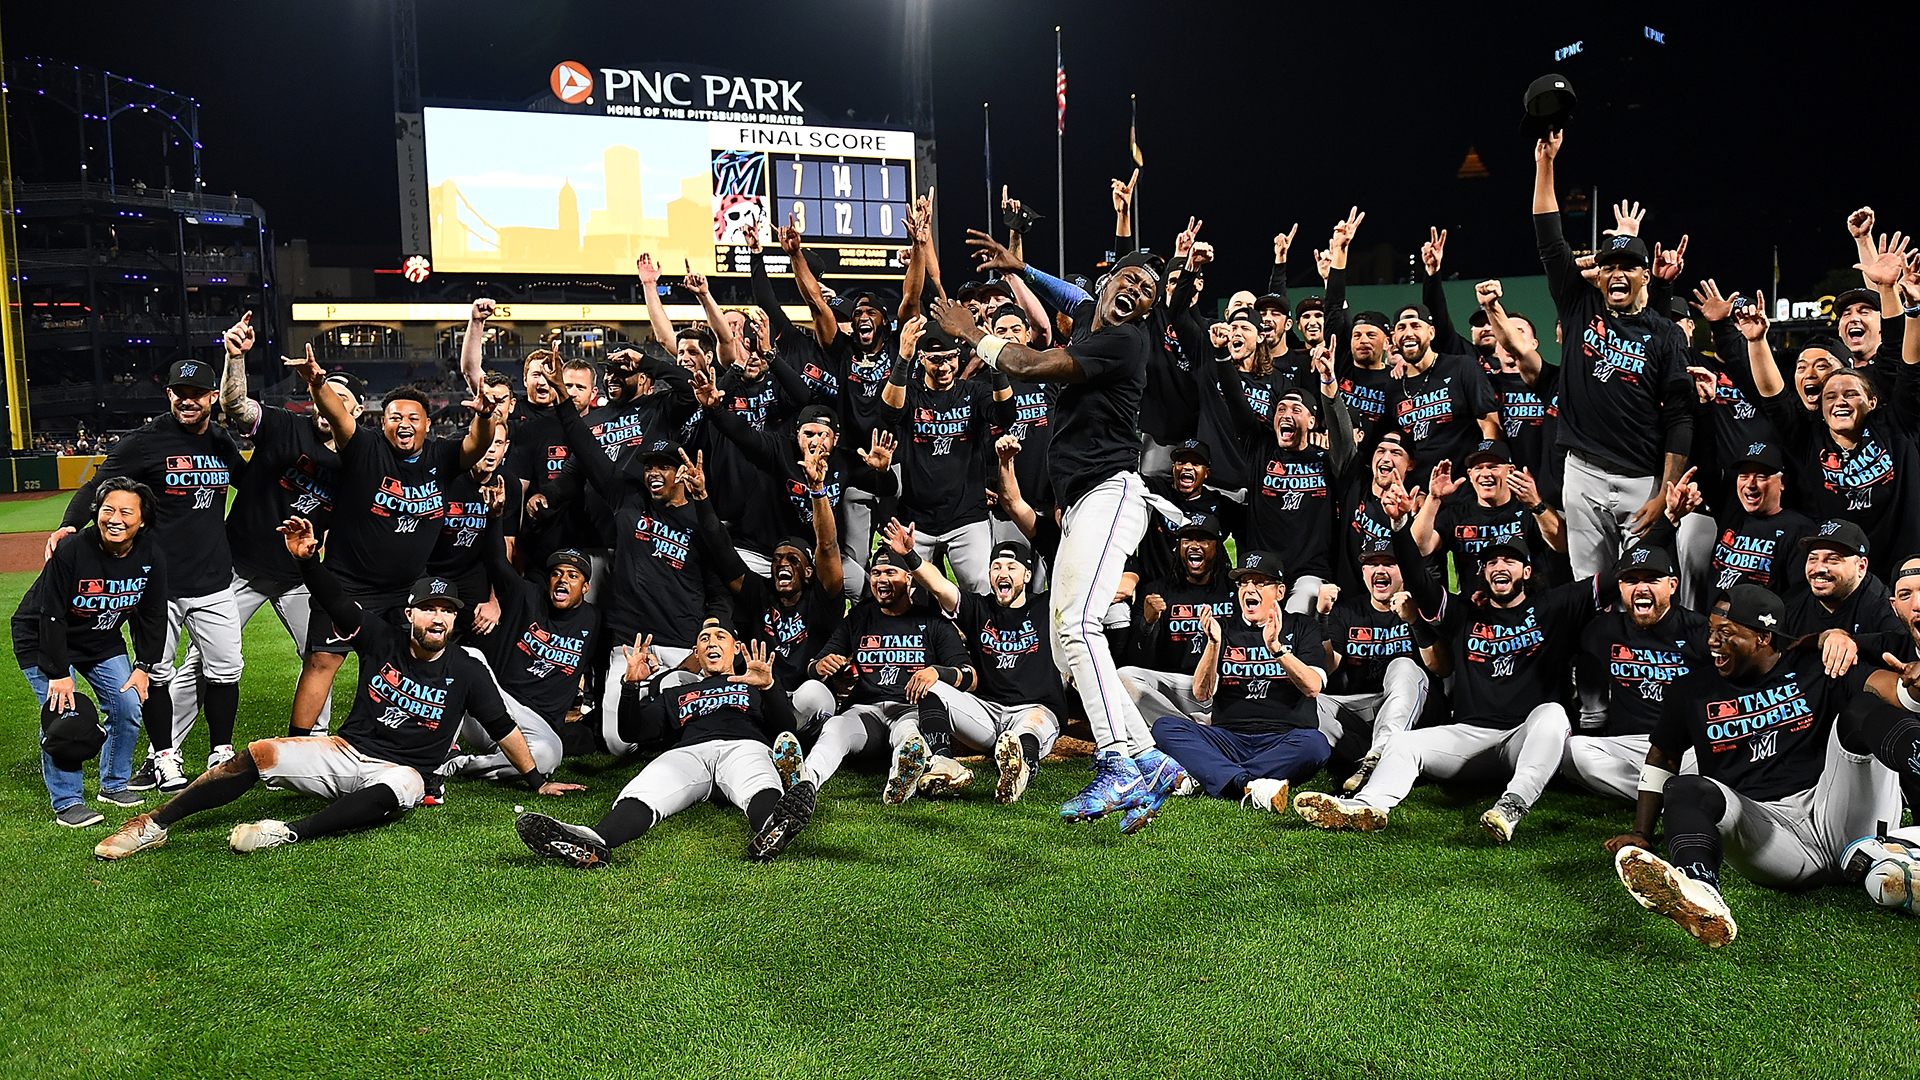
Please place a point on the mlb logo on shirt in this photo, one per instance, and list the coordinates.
(92, 587)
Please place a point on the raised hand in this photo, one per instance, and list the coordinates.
(1210, 625)
(1668, 264)
(1123, 193)
(1683, 496)
(815, 463)
(954, 318)
(1487, 293)
(1522, 484)
(239, 337)
(648, 269)
(1323, 368)
(759, 674)
(298, 534)
(1183, 243)
(308, 369)
(1201, 255)
(1343, 231)
(992, 254)
(642, 664)
(1712, 306)
(1403, 606)
(899, 537)
(1283, 243)
(1549, 148)
(705, 391)
(1706, 384)
(1751, 319)
(879, 455)
(482, 311)
(1441, 481)
(789, 238)
(695, 281)
(910, 332)
(1323, 263)
(1860, 223)
(693, 473)
(751, 233)
(1626, 219)
(1888, 264)
(1434, 250)
(1329, 596)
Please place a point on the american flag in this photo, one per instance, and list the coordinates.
(1060, 87)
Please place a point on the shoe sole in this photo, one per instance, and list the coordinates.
(909, 766)
(943, 784)
(1497, 826)
(544, 836)
(1323, 813)
(1651, 881)
(142, 785)
(105, 797)
(1012, 764)
(89, 823)
(1896, 883)
(788, 762)
(1141, 815)
(790, 815)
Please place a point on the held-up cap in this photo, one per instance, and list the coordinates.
(1257, 564)
(570, 557)
(1490, 450)
(434, 590)
(1839, 533)
(1015, 550)
(1623, 251)
(1764, 456)
(1203, 525)
(74, 737)
(1657, 561)
(1755, 608)
(190, 373)
(1549, 105)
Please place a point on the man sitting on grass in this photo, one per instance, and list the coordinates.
(413, 692)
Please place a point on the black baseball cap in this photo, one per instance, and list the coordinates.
(1837, 533)
(1515, 545)
(1203, 525)
(841, 306)
(1015, 550)
(718, 623)
(1478, 318)
(1311, 303)
(1377, 549)
(193, 374)
(934, 339)
(886, 556)
(1549, 105)
(570, 557)
(1854, 296)
(351, 383)
(435, 590)
(661, 450)
(817, 414)
(1197, 449)
(1765, 455)
(1372, 318)
(1657, 561)
(1630, 250)
(1420, 311)
(1244, 314)
(1490, 449)
(803, 546)
(1260, 563)
(1273, 302)
(1678, 308)
(1755, 608)
(74, 737)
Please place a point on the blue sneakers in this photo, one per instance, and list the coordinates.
(1162, 778)
(1117, 785)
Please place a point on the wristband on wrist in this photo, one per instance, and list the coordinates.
(1537, 508)
(1654, 779)
(912, 559)
(1911, 312)
(989, 350)
(534, 779)
(1906, 699)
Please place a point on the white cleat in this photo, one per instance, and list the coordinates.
(138, 834)
(1327, 812)
(945, 776)
(254, 835)
(1695, 905)
(1265, 794)
(1015, 773)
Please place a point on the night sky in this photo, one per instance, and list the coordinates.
(1742, 133)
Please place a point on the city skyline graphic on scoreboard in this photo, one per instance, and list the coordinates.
(524, 192)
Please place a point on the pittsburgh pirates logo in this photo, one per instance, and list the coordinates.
(202, 498)
(1502, 667)
(1765, 746)
(405, 525)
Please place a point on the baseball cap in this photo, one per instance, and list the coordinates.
(1245, 315)
(351, 383)
(718, 623)
(817, 414)
(570, 557)
(1628, 250)
(1261, 563)
(1203, 525)
(1647, 560)
(1765, 455)
(661, 450)
(1420, 311)
(1015, 550)
(1273, 302)
(1490, 450)
(430, 590)
(1377, 549)
(934, 339)
(1311, 303)
(803, 546)
(1837, 533)
(1478, 318)
(1755, 608)
(196, 374)
(1549, 105)
(886, 556)
(74, 737)
(1515, 545)
(1678, 308)
(1197, 449)
(1371, 318)
(1854, 296)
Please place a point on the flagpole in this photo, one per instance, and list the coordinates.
(986, 121)
(1060, 151)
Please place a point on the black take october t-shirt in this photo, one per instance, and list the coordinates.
(885, 650)
(292, 472)
(1012, 653)
(1766, 740)
(1638, 666)
(189, 475)
(388, 510)
(1255, 695)
(1095, 431)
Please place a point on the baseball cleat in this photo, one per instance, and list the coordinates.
(790, 815)
(1116, 785)
(143, 778)
(123, 797)
(254, 835)
(1504, 817)
(78, 816)
(1327, 812)
(1664, 890)
(945, 776)
(168, 770)
(1015, 771)
(1360, 775)
(1887, 867)
(1162, 778)
(219, 756)
(909, 765)
(1266, 794)
(575, 845)
(138, 834)
(787, 760)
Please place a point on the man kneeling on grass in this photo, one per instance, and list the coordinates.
(721, 721)
(413, 691)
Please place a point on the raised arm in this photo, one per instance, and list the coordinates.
(1446, 336)
(1123, 214)
(827, 569)
(1751, 321)
(1012, 503)
(657, 322)
(825, 327)
(473, 349)
(925, 573)
(1507, 333)
(1018, 361)
(728, 348)
(339, 419)
(242, 411)
(921, 261)
(1206, 673)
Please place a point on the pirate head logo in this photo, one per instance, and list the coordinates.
(734, 214)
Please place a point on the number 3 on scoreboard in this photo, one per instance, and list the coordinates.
(799, 213)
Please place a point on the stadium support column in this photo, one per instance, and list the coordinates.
(918, 51)
(409, 141)
(19, 401)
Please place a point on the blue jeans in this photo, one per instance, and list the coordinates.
(121, 709)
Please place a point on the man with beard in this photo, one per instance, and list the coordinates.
(1510, 648)
(719, 724)
(1310, 315)
(895, 650)
(1258, 675)
(1843, 606)
(1378, 652)
(1500, 503)
(1527, 388)
(1629, 658)
(1626, 401)
(391, 478)
(945, 427)
(1014, 711)
(1167, 647)
(1094, 465)
(1187, 490)
(189, 464)
(1237, 391)
(292, 471)
(1796, 764)
(412, 692)
(1290, 508)
(1442, 404)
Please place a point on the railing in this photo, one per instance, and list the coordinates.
(171, 200)
(65, 258)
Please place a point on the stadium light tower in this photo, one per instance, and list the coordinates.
(918, 51)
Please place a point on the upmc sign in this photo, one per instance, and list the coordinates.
(679, 94)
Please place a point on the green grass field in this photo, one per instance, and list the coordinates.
(941, 939)
(41, 515)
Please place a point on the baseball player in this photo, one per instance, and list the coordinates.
(413, 690)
